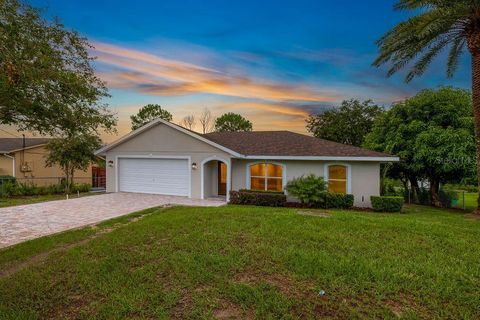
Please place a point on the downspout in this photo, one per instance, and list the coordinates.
(13, 163)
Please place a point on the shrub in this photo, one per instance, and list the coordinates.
(7, 189)
(258, 198)
(392, 187)
(447, 197)
(81, 187)
(338, 200)
(7, 179)
(308, 189)
(387, 204)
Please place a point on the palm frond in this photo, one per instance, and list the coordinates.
(426, 4)
(454, 56)
(421, 38)
(422, 63)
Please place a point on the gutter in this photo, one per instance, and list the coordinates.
(13, 163)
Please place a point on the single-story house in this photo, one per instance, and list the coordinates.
(164, 158)
(25, 160)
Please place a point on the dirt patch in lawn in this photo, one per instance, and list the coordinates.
(314, 213)
(229, 310)
(473, 216)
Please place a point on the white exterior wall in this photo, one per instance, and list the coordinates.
(365, 176)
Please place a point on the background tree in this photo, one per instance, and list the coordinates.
(432, 133)
(188, 122)
(72, 153)
(232, 122)
(348, 124)
(148, 113)
(436, 25)
(46, 72)
(207, 121)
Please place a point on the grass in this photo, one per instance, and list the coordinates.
(21, 200)
(470, 201)
(250, 262)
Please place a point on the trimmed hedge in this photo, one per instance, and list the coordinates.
(258, 198)
(338, 200)
(387, 204)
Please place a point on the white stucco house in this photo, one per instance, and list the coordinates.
(164, 158)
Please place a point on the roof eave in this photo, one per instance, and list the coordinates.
(325, 158)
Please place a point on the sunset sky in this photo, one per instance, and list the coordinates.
(274, 62)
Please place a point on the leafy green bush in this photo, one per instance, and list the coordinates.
(387, 203)
(9, 189)
(7, 179)
(392, 187)
(262, 198)
(81, 187)
(338, 200)
(308, 189)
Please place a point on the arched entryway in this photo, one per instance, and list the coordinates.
(215, 178)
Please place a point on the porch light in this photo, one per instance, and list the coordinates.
(194, 166)
(110, 163)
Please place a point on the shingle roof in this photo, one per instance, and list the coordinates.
(11, 144)
(286, 143)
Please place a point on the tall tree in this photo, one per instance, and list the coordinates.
(46, 72)
(207, 121)
(348, 124)
(436, 25)
(231, 122)
(188, 122)
(148, 113)
(433, 135)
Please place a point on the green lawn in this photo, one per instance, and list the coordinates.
(247, 262)
(17, 201)
(470, 200)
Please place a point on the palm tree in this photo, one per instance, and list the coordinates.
(437, 25)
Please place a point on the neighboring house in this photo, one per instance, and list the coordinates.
(164, 158)
(25, 160)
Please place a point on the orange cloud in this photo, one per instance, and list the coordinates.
(159, 76)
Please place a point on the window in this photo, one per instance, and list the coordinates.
(337, 179)
(266, 176)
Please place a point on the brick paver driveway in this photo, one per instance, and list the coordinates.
(31, 221)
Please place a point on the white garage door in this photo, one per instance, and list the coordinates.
(160, 176)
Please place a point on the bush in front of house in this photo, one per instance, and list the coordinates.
(7, 179)
(338, 200)
(258, 198)
(9, 189)
(308, 189)
(387, 203)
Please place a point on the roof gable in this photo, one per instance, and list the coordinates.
(156, 122)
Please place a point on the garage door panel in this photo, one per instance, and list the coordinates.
(160, 176)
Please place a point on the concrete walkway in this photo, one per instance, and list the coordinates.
(21, 223)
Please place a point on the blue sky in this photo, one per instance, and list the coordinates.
(272, 61)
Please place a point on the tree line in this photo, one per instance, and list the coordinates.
(227, 122)
(432, 133)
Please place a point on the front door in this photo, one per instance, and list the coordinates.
(222, 179)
